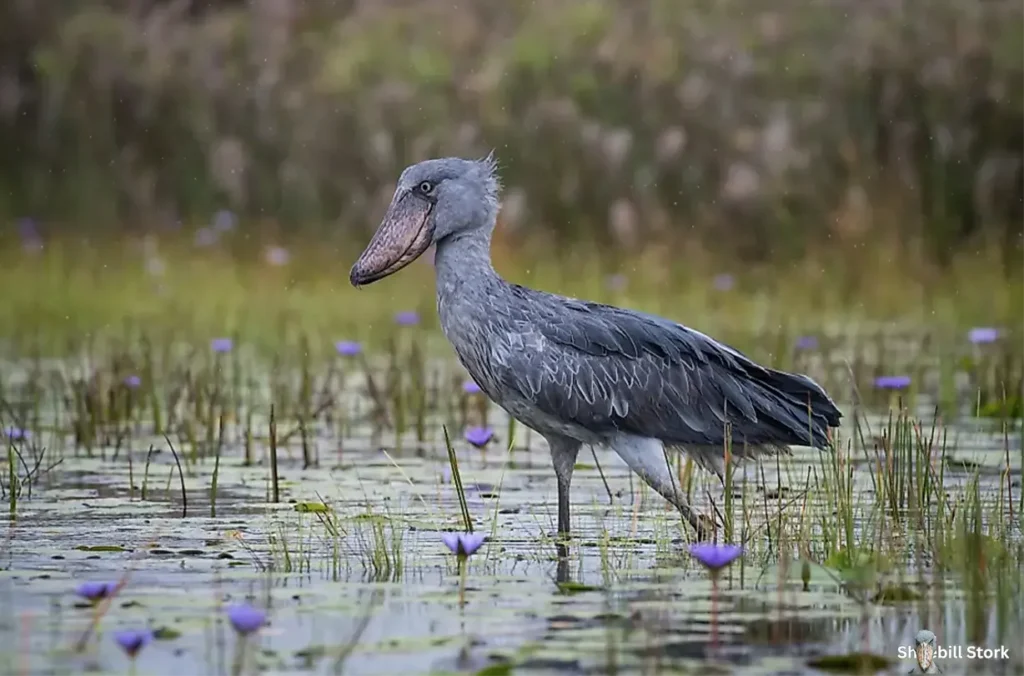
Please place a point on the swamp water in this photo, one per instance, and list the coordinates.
(351, 570)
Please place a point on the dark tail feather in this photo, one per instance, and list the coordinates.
(807, 392)
(803, 396)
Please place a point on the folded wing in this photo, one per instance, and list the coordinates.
(610, 369)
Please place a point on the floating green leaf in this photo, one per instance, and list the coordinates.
(101, 548)
(312, 507)
(165, 634)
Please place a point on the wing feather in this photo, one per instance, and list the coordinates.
(609, 369)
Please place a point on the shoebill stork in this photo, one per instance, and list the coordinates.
(579, 372)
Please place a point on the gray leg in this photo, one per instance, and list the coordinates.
(563, 457)
(562, 569)
(646, 457)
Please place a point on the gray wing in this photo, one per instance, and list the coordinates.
(610, 369)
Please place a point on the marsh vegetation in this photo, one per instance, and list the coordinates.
(227, 446)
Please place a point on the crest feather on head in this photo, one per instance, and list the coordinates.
(492, 181)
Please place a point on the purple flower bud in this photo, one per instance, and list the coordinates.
(246, 619)
(221, 345)
(983, 335)
(807, 343)
(479, 436)
(348, 348)
(133, 640)
(407, 318)
(463, 544)
(724, 282)
(892, 382)
(95, 591)
(132, 382)
(715, 557)
(16, 434)
(470, 387)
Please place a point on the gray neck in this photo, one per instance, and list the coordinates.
(463, 263)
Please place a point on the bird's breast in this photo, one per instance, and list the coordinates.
(466, 331)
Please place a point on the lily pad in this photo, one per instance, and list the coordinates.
(101, 548)
(571, 587)
(312, 507)
(165, 634)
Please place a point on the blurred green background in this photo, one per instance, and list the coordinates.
(842, 154)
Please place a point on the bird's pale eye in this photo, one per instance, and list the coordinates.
(425, 187)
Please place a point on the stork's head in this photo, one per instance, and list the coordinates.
(924, 637)
(434, 200)
(924, 649)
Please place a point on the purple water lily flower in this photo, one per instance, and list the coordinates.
(715, 557)
(16, 433)
(479, 436)
(617, 282)
(221, 345)
(470, 387)
(31, 239)
(983, 335)
(463, 544)
(205, 237)
(407, 318)
(27, 228)
(133, 640)
(277, 256)
(245, 618)
(807, 343)
(892, 382)
(95, 591)
(132, 382)
(724, 282)
(348, 348)
(224, 220)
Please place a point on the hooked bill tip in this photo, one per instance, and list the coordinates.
(359, 277)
